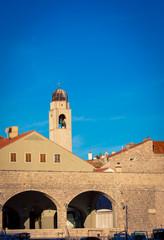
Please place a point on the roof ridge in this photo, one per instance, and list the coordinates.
(4, 142)
(126, 149)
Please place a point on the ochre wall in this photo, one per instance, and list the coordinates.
(36, 144)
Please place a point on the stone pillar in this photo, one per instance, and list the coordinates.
(1, 220)
(62, 218)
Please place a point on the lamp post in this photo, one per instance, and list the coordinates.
(116, 206)
(1, 216)
(125, 207)
(66, 207)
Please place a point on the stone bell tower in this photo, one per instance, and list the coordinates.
(60, 129)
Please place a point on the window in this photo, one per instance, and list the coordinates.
(42, 157)
(13, 157)
(28, 157)
(57, 158)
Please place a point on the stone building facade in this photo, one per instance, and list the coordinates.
(147, 156)
(48, 191)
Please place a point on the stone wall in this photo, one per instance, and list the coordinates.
(142, 193)
(140, 158)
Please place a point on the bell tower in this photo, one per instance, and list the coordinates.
(60, 129)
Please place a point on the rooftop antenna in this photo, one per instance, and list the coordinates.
(116, 206)
(59, 84)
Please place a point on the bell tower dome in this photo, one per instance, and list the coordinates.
(60, 129)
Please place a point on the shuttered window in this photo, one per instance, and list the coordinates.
(13, 157)
(28, 157)
(42, 157)
(57, 158)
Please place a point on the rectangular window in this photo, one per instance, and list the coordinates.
(28, 157)
(13, 157)
(42, 157)
(57, 157)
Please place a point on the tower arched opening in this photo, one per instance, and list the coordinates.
(62, 121)
(30, 210)
(92, 209)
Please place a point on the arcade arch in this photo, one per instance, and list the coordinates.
(91, 209)
(30, 210)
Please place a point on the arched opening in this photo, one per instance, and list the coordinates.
(74, 218)
(90, 209)
(62, 121)
(29, 210)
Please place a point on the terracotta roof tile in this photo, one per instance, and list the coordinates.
(1, 138)
(5, 141)
(100, 169)
(96, 164)
(158, 147)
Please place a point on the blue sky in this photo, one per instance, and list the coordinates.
(108, 56)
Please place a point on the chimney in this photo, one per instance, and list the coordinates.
(113, 152)
(100, 155)
(144, 139)
(89, 156)
(148, 138)
(127, 145)
(13, 132)
(131, 143)
(118, 168)
(106, 154)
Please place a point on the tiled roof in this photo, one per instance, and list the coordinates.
(127, 148)
(96, 164)
(5, 141)
(1, 138)
(100, 169)
(158, 147)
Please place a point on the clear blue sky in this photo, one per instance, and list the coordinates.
(108, 56)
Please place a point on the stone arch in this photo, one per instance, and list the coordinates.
(110, 195)
(14, 193)
(30, 210)
(82, 211)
